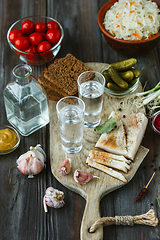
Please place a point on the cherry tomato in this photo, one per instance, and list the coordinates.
(27, 27)
(31, 49)
(35, 38)
(40, 27)
(43, 36)
(31, 56)
(44, 46)
(53, 36)
(22, 43)
(52, 24)
(15, 34)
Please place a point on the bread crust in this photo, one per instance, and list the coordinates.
(52, 95)
(64, 73)
(49, 85)
(60, 78)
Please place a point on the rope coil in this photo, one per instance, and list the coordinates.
(148, 218)
(124, 220)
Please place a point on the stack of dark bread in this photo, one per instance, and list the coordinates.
(60, 78)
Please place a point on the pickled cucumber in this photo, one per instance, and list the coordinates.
(116, 78)
(136, 72)
(132, 82)
(127, 76)
(124, 65)
(107, 77)
(113, 86)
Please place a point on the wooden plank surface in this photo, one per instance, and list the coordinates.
(96, 189)
(21, 210)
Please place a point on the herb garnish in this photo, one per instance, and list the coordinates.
(107, 126)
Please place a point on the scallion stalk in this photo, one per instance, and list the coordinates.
(151, 97)
(151, 94)
(149, 91)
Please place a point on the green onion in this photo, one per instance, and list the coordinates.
(151, 94)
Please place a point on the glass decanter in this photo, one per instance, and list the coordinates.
(25, 101)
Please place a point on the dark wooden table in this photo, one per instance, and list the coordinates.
(22, 216)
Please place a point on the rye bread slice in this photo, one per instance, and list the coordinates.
(64, 73)
(52, 95)
(49, 85)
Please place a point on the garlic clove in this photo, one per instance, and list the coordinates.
(32, 162)
(36, 166)
(83, 177)
(41, 151)
(65, 167)
(23, 164)
(38, 152)
(53, 198)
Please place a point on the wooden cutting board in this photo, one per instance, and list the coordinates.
(93, 191)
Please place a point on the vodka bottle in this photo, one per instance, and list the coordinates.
(25, 101)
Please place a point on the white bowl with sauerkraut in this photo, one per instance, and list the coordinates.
(130, 26)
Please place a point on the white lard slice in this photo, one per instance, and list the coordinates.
(114, 141)
(106, 170)
(135, 126)
(109, 160)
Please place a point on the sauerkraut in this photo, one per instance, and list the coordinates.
(133, 20)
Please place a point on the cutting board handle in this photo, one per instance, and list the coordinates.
(91, 214)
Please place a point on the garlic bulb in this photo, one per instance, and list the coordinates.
(65, 167)
(53, 198)
(32, 162)
(83, 177)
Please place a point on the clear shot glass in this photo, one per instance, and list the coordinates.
(70, 111)
(90, 89)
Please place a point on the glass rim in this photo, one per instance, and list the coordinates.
(153, 122)
(71, 97)
(22, 66)
(90, 71)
